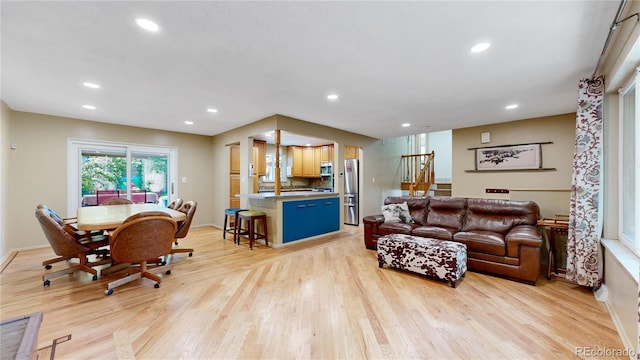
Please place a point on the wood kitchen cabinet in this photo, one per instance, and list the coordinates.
(317, 157)
(234, 175)
(294, 155)
(234, 188)
(234, 159)
(259, 157)
(350, 152)
(307, 162)
(326, 153)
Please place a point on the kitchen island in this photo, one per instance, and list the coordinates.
(296, 216)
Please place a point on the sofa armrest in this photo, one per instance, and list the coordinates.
(371, 223)
(522, 235)
(373, 219)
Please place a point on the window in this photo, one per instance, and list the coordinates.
(101, 170)
(271, 169)
(629, 194)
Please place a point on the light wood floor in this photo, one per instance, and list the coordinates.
(325, 299)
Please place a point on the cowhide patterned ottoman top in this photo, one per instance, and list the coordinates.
(446, 260)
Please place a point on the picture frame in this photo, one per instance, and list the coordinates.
(511, 157)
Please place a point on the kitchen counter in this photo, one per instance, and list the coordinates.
(296, 216)
(287, 194)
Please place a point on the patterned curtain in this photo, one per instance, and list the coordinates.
(584, 259)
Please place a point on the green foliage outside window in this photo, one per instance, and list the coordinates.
(110, 172)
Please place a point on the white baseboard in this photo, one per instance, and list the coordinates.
(627, 342)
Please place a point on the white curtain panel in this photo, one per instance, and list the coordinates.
(584, 259)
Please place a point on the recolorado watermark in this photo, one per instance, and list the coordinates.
(604, 352)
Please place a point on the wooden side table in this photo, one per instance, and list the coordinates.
(557, 225)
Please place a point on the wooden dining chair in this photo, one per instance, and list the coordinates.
(104, 195)
(189, 208)
(175, 204)
(136, 241)
(69, 225)
(117, 201)
(67, 247)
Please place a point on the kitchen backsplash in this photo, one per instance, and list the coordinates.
(297, 183)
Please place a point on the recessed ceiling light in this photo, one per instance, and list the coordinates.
(308, 144)
(269, 134)
(512, 106)
(188, 122)
(332, 97)
(89, 107)
(147, 24)
(212, 110)
(406, 125)
(91, 85)
(480, 47)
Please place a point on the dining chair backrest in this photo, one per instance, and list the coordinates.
(58, 219)
(146, 214)
(189, 208)
(104, 195)
(117, 201)
(62, 242)
(139, 196)
(143, 238)
(175, 204)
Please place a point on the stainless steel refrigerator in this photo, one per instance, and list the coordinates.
(351, 216)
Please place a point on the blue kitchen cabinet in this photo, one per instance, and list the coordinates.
(305, 218)
(294, 220)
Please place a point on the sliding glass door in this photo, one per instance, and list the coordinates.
(99, 171)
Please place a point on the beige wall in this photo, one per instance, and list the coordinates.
(37, 170)
(559, 129)
(4, 172)
(383, 178)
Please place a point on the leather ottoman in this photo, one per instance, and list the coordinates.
(442, 259)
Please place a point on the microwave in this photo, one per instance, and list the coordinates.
(326, 169)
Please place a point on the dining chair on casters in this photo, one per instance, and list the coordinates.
(175, 204)
(67, 247)
(117, 201)
(136, 241)
(189, 208)
(70, 224)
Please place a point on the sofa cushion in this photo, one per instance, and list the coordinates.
(417, 207)
(397, 213)
(434, 232)
(499, 215)
(446, 212)
(387, 228)
(488, 242)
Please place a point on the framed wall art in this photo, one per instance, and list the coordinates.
(510, 157)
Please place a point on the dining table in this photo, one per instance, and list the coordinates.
(108, 217)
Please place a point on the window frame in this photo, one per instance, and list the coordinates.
(74, 159)
(632, 83)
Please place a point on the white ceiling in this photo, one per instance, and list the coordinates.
(390, 62)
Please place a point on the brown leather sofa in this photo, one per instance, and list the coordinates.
(502, 236)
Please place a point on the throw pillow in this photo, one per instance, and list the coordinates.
(397, 213)
(391, 213)
(405, 215)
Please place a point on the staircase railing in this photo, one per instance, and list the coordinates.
(417, 173)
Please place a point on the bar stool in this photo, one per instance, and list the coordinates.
(251, 217)
(230, 212)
